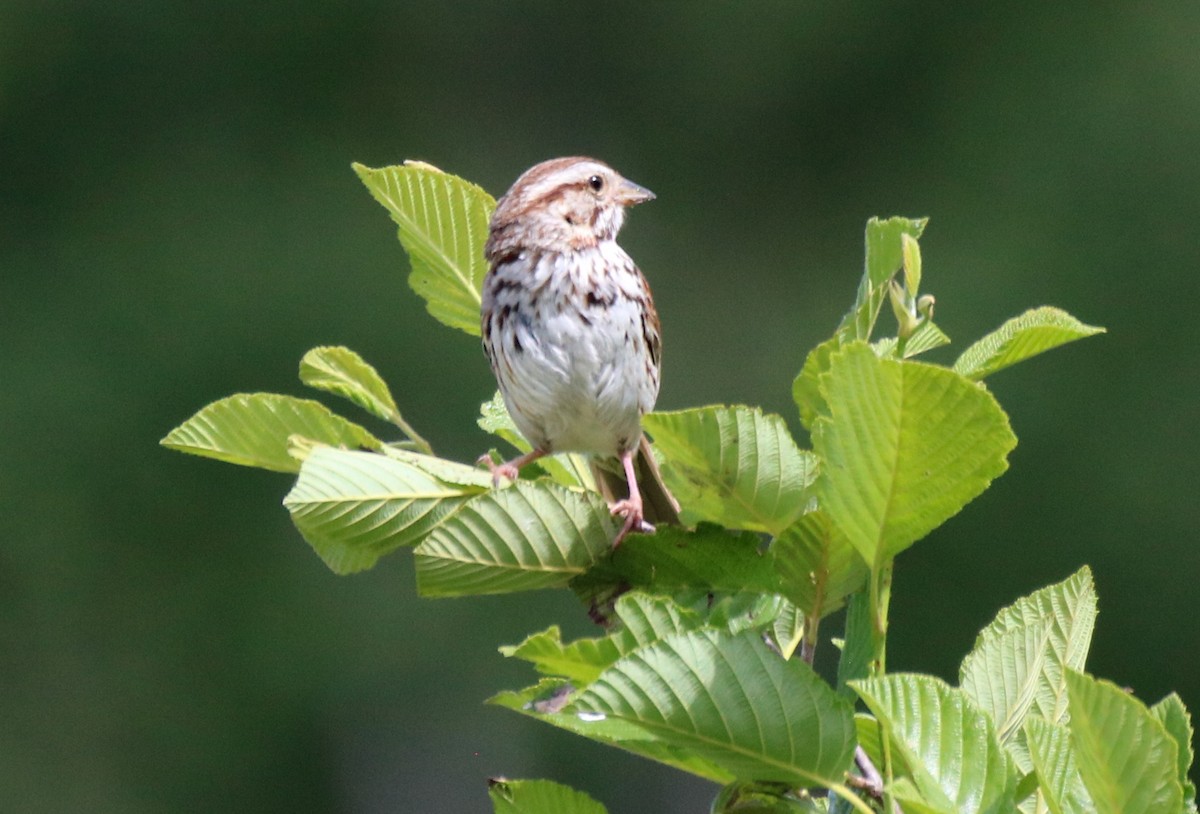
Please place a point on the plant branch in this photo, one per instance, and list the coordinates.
(871, 781)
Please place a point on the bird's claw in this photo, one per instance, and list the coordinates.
(635, 520)
(504, 470)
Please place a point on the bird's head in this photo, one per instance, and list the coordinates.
(564, 204)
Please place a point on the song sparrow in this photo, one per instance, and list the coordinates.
(568, 322)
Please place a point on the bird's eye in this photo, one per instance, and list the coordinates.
(596, 183)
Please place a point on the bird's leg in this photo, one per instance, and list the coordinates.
(509, 469)
(631, 507)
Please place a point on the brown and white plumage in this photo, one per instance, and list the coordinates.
(568, 321)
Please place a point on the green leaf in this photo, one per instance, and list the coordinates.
(545, 701)
(581, 661)
(926, 337)
(949, 746)
(817, 565)
(1058, 620)
(443, 224)
(905, 447)
(734, 466)
(442, 469)
(709, 559)
(1036, 331)
(354, 507)
(737, 611)
(806, 388)
(1174, 717)
(1059, 783)
(910, 250)
(644, 619)
(1003, 673)
(539, 797)
(733, 702)
(252, 429)
(528, 536)
(343, 372)
(494, 419)
(1127, 759)
(787, 630)
(885, 254)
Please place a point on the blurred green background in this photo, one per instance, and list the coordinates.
(178, 221)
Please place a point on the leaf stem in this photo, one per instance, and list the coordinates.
(808, 644)
(881, 597)
(406, 428)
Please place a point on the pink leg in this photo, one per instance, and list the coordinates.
(631, 507)
(509, 469)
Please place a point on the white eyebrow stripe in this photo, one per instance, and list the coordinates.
(570, 174)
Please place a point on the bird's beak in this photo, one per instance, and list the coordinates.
(629, 193)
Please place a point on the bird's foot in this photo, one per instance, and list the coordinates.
(631, 510)
(509, 470)
(503, 470)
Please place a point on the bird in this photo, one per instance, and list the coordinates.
(570, 329)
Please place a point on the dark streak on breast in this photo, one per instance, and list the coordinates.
(594, 300)
(506, 256)
(499, 284)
